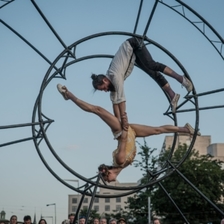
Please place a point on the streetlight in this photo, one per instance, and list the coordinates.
(54, 211)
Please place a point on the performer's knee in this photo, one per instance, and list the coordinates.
(161, 80)
(97, 110)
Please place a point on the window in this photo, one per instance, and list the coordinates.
(107, 200)
(96, 200)
(107, 208)
(74, 208)
(118, 207)
(118, 200)
(74, 200)
(85, 200)
(96, 208)
(84, 207)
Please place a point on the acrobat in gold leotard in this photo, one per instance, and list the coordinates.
(130, 149)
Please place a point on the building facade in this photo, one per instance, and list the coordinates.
(101, 205)
(202, 145)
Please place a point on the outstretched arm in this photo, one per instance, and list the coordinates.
(119, 112)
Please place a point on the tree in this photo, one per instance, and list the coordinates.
(206, 174)
(202, 171)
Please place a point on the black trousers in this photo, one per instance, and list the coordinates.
(145, 61)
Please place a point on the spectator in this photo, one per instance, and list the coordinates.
(71, 218)
(42, 221)
(121, 221)
(156, 221)
(13, 219)
(27, 219)
(82, 220)
(103, 221)
(96, 221)
(113, 221)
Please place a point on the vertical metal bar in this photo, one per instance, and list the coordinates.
(149, 210)
(150, 18)
(92, 199)
(139, 12)
(78, 209)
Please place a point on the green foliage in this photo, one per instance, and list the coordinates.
(204, 173)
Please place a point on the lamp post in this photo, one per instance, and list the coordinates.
(55, 222)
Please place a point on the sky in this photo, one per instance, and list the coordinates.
(82, 140)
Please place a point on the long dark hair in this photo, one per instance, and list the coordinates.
(104, 169)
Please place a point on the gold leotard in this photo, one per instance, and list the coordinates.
(130, 149)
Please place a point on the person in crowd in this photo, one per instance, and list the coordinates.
(13, 219)
(122, 221)
(42, 221)
(71, 218)
(156, 221)
(103, 220)
(96, 221)
(27, 219)
(113, 221)
(82, 220)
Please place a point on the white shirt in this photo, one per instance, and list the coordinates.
(120, 68)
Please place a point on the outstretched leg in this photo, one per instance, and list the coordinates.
(144, 130)
(145, 60)
(106, 116)
(153, 69)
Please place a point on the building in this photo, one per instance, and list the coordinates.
(216, 150)
(202, 145)
(101, 205)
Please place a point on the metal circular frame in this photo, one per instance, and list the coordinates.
(60, 72)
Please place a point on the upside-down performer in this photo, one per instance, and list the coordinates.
(126, 148)
(130, 52)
